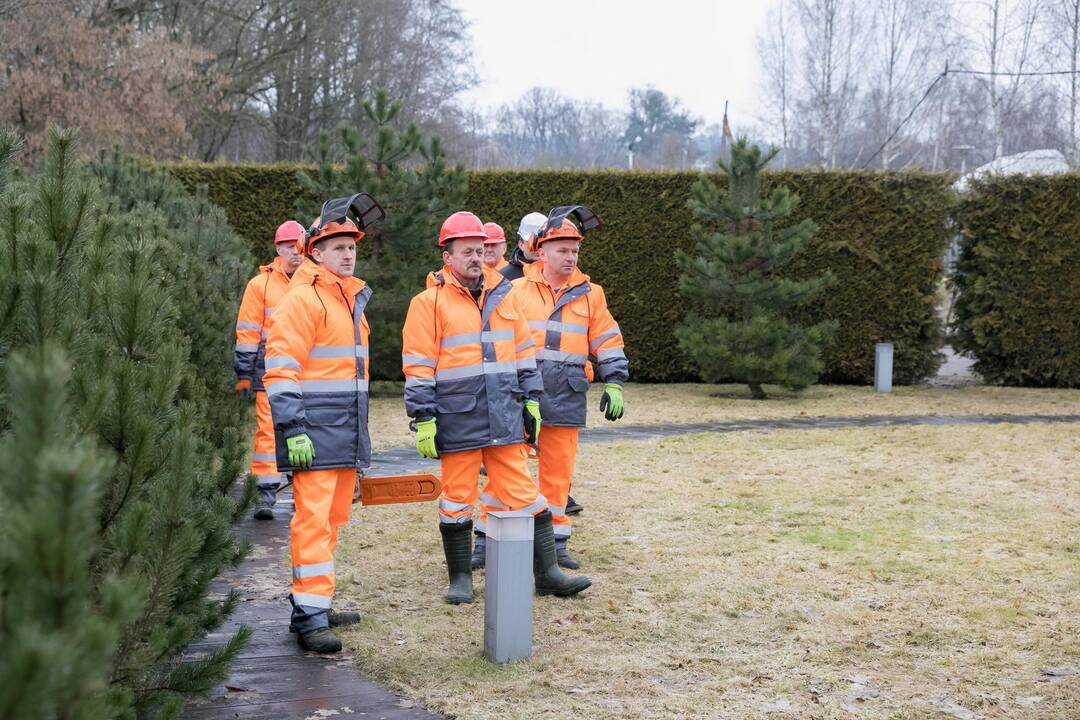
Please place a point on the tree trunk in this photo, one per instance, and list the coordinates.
(757, 391)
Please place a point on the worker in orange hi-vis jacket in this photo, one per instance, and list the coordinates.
(472, 389)
(495, 247)
(261, 296)
(317, 382)
(570, 320)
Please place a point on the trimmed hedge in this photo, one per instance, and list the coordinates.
(883, 236)
(1018, 310)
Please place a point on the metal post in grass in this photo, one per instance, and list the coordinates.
(508, 588)
(883, 355)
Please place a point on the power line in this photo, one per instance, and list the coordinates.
(903, 122)
(959, 71)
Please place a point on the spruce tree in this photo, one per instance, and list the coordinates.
(412, 179)
(102, 285)
(741, 330)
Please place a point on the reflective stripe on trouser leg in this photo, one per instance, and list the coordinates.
(508, 480)
(263, 460)
(315, 493)
(460, 478)
(558, 450)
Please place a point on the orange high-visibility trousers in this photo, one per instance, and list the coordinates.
(323, 501)
(509, 485)
(263, 460)
(558, 451)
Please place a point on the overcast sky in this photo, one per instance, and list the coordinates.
(701, 52)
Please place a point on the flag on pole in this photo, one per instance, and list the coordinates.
(726, 139)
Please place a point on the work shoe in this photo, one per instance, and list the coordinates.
(550, 580)
(479, 551)
(563, 556)
(264, 505)
(320, 641)
(342, 618)
(572, 507)
(456, 541)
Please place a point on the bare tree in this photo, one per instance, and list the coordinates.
(833, 47)
(1007, 40)
(1065, 24)
(776, 52)
(906, 39)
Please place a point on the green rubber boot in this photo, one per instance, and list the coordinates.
(550, 580)
(457, 545)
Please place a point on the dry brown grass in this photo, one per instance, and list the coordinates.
(685, 403)
(877, 573)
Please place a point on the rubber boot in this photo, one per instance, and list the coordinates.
(320, 641)
(550, 580)
(343, 618)
(456, 539)
(562, 555)
(479, 551)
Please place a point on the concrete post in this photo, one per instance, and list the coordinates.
(883, 355)
(508, 588)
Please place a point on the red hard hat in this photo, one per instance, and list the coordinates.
(494, 234)
(289, 231)
(461, 226)
(566, 231)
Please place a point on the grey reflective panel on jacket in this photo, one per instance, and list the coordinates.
(486, 409)
(565, 398)
(334, 413)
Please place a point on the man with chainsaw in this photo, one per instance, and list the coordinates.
(261, 296)
(317, 382)
(472, 389)
(569, 318)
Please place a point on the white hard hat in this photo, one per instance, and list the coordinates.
(530, 224)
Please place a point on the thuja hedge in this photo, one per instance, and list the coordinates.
(883, 236)
(1018, 309)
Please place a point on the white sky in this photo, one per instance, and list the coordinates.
(701, 52)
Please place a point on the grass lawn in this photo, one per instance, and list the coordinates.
(869, 573)
(685, 403)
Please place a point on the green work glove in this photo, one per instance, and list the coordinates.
(425, 438)
(301, 451)
(611, 403)
(531, 413)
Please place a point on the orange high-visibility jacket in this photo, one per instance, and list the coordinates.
(468, 365)
(567, 328)
(261, 296)
(317, 368)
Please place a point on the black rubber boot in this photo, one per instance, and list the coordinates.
(550, 580)
(343, 618)
(320, 641)
(572, 506)
(562, 555)
(479, 551)
(456, 541)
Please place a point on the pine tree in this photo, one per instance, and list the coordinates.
(742, 332)
(104, 286)
(412, 179)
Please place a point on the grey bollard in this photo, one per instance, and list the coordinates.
(508, 588)
(883, 353)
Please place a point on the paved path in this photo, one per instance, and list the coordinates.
(274, 679)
